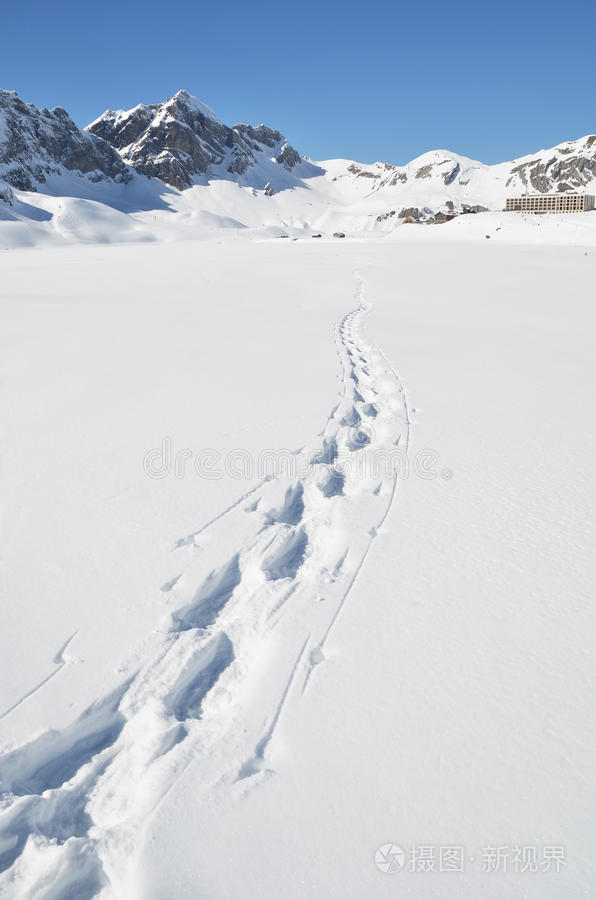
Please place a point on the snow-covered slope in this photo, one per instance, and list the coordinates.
(177, 171)
(440, 176)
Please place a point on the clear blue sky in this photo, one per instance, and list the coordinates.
(386, 80)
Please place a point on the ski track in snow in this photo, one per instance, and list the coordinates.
(238, 643)
(59, 661)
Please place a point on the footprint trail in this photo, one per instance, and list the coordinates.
(247, 626)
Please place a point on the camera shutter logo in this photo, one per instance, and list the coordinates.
(390, 858)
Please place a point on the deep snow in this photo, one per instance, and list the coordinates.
(206, 697)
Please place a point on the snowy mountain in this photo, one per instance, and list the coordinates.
(182, 138)
(568, 167)
(128, 171)
(442, 180)
(36, 144)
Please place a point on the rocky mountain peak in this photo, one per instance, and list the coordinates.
(182, 138)
(38, 143)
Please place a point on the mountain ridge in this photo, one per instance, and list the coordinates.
(36, 144)
(177, 156)
(182, 137)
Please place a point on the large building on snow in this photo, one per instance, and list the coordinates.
(554, 203)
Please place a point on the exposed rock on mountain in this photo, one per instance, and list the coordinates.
(568, 167)
(411, 212)
(449, 177)
(470, 210)
(36, 144)
(6, 194)
(424, 172)
(181, 138)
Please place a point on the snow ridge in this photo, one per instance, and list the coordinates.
(247, 624)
